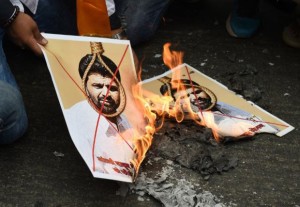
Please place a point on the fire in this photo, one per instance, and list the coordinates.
(181, 98)
(172, 58)
(181, 107)
(142, 143)
(165, 106)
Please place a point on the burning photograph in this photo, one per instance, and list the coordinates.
(93, 79)
(200, 98)
(185, 93)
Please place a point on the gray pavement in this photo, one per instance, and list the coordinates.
(268, 170)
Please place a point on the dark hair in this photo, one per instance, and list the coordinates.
(97, 67)
(166, 88)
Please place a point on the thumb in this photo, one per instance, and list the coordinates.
(34, 46)
(39, 38)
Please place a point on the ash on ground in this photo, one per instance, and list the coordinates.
(182, 156)
(192, 146)
(170, 191)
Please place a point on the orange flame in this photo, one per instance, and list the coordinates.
(162, 106)
(143, 142)
(178, 101)
(156, 105)
(171, 58)
(182, 108)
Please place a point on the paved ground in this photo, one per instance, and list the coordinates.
(268, 171)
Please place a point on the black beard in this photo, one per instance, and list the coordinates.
(107, 109)
(202, 103)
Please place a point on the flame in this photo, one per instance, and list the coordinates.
(171, 58)
(143, 142)
(160, 106)
(179, 107)
(208, 120)
(182, 108)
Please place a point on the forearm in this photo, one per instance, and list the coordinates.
(6, 11)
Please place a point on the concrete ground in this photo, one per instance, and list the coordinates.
(268, 170)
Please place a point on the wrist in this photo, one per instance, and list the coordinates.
(6, 23)
(119, 34)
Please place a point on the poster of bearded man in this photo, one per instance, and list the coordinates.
(93, 79)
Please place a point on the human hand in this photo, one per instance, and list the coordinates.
(24, 32)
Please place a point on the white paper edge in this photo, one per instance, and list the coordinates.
(84, 38)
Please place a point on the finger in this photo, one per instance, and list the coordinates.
(39, 38)
(33, 45)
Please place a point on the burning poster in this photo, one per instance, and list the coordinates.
(112, 118)
(93, 79)
(185, 93)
